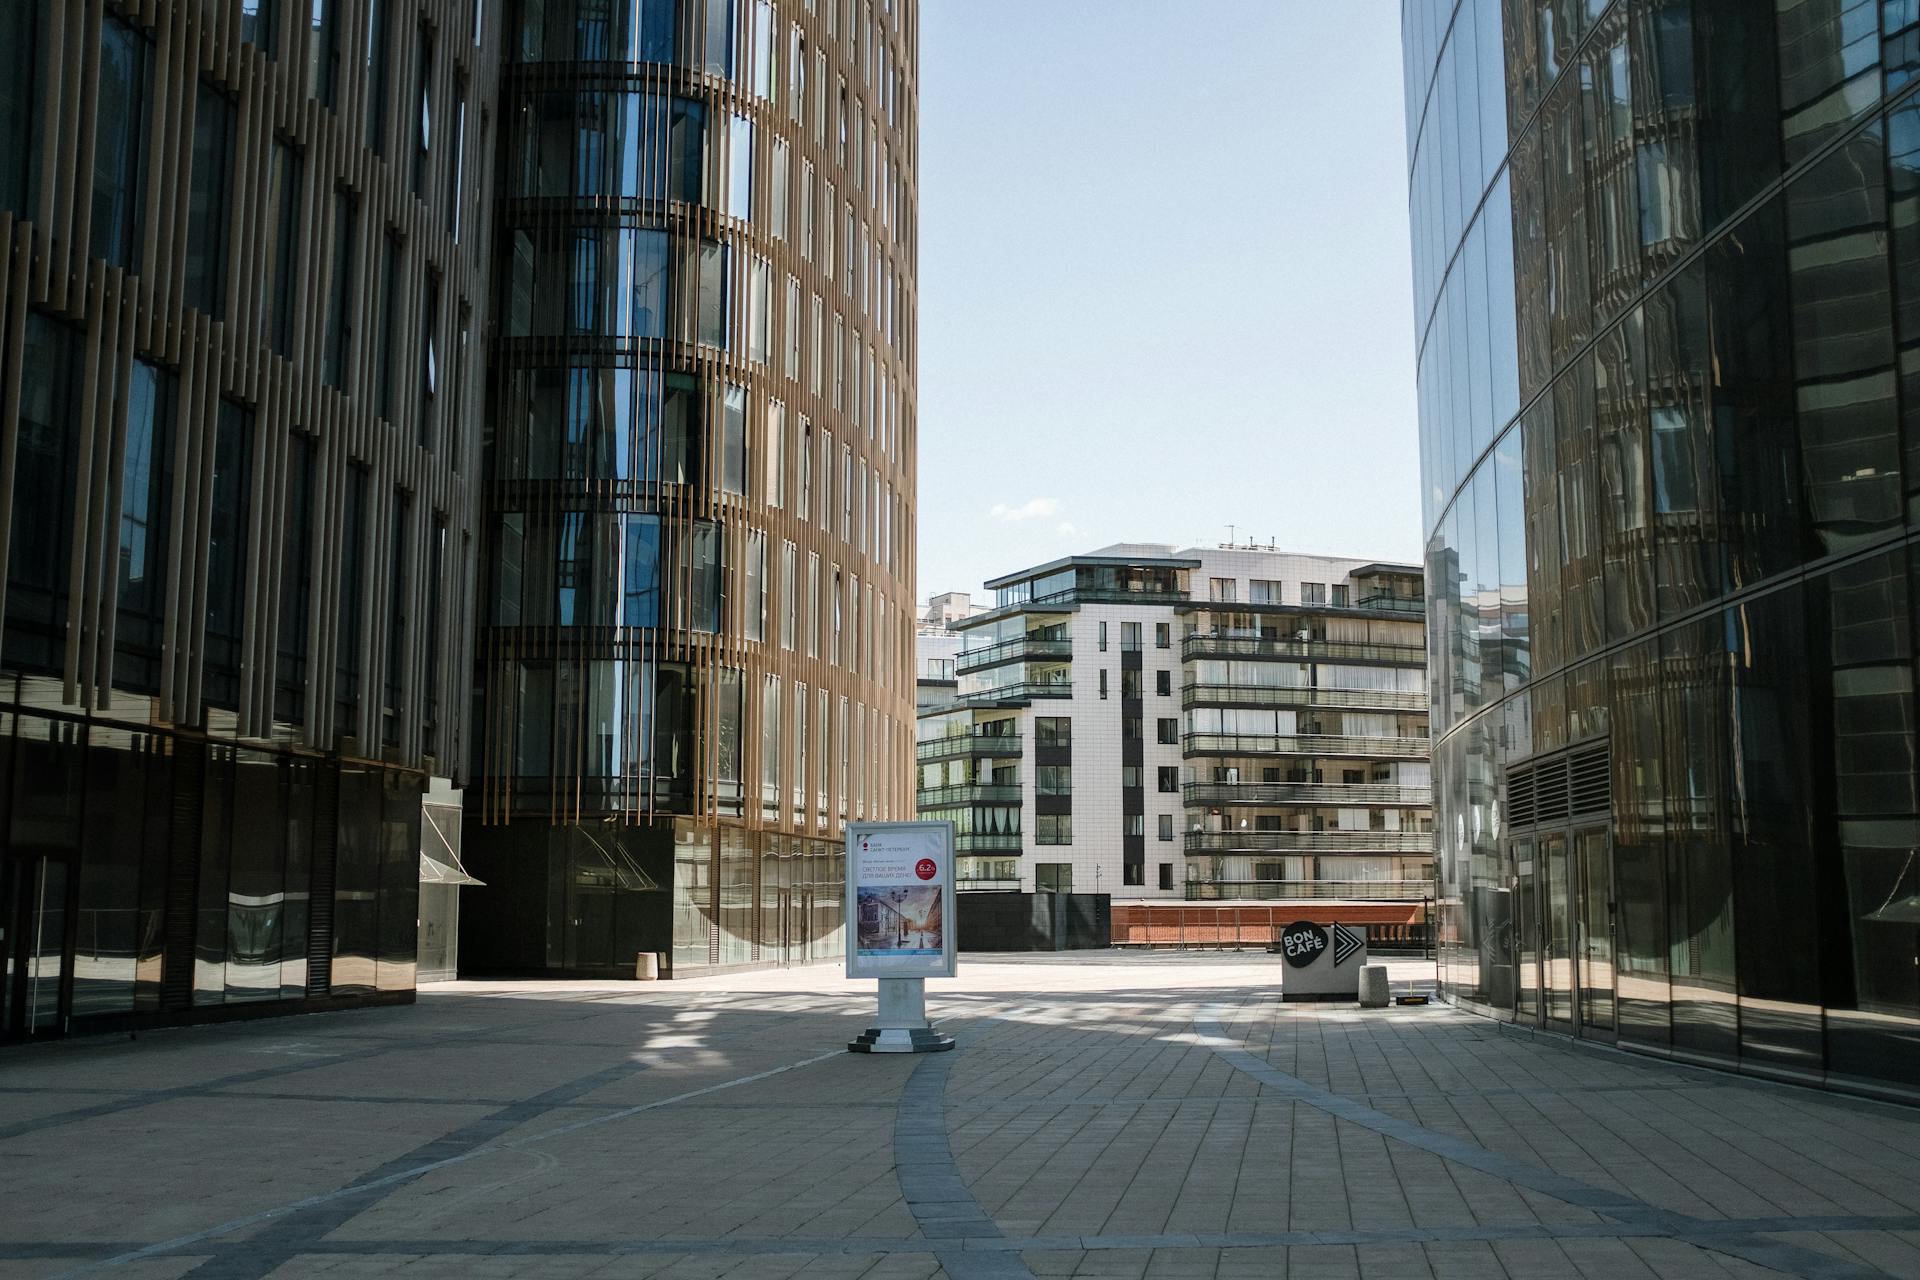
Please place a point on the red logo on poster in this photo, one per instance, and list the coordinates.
(925, 869)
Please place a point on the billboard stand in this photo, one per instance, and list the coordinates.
(900, 909)
(901, 1026)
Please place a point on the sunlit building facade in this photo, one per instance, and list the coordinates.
(242, 267)
(695, 651)
(1667, 295)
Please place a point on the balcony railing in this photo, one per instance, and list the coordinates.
(1366, 842)
(962, 746)
(1353, 794)
(1022, 692)
(1389, 603)
(987, 842)
(1268, 695)
(1019, 649)
(1311, 890)
(977, 884)
(1304, 744)
(968, 793)
(1217, 646)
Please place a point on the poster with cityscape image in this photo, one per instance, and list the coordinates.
(900, 899)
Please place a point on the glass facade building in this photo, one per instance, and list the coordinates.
(236, 303)
(1666, 260)
(694, 656)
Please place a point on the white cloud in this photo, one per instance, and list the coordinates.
(1028, 510)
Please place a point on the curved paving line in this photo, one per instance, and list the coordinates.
(1638, 1214)
(936, 1195)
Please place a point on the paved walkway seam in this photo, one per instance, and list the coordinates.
(947, 1214)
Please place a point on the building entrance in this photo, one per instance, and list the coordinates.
(33, 917)
(1564, 893)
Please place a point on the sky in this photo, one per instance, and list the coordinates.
(1164, 281)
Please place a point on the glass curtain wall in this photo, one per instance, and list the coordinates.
(1666, 282)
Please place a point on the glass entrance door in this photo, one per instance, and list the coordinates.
(1594, 870)
(33, 915)
(1557, 977)
(1526, 932)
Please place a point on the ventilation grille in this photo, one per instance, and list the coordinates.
(1574, 784)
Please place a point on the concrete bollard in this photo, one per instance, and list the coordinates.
(1373, 987)
(646, 966)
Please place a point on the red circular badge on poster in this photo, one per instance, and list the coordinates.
(925, 869)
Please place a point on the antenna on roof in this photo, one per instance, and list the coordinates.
(1230, 532)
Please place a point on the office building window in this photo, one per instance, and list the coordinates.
(1053, 731)
(430, 360)
(1053, 828)
(1130, 728)
(1313, 593)
(1136, 825)
(283, 200)
(352, 553)
(20, 58)
(1264, 591)
(1338, 596)
(1103, 637)
(1163, 683)
(1168, 779)
(1103, 682)
(227, 553)
(1162, 635)
(386, 318)
(1166, 874)
(1222, 590)
(339, 338)
(754, 606)
(259, 25)
(296, 585)
(423, 124)
(121, 122)
(733, 440)
(1169, 728)
(146, 481)
(1053, 780)
(323, 50)
(208, 200)
(740, 168)
(377, 43)
(1053, 877)
(38, 547)
(1165, 823)
(397, 621)
(1134, 873)
(789, 593)
(1130, 637)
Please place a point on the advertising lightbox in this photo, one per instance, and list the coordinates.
(900, 900)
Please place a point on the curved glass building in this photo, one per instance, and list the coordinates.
(694, 665)
(1667, 288)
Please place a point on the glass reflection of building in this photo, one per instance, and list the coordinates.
(694, 659)
(1667, 292)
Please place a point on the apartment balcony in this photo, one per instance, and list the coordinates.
(1413, 606)
(1023, 692)
(968, 794)
(1218, 646)
(1319, 745)
(1373, 795)
(1311, 890)
(1356, 842)
(1023, 649)
(1264, 695)
(983, 884)
(987, 842)
(968, 746)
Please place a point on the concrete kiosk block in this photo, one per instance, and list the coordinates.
(1373, 987)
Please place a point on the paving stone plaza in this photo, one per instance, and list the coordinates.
(1104, 1115)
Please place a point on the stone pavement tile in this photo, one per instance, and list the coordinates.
(1599, 1258)
(1678, 1260)
(1052, 1262)
(1392, 1262)
(1323, 1262)
(1535, 1260)
(1252, 1263)
(1463, 1260)
(1183, 1264)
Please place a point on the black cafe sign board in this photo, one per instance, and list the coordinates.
(1323, 961)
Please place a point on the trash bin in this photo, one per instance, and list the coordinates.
(1373, 987)
(646, 966)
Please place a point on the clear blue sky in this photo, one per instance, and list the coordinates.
(1163, 280)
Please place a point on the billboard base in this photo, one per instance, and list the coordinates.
(902, 1025)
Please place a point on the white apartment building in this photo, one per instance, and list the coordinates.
(1211, 723)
